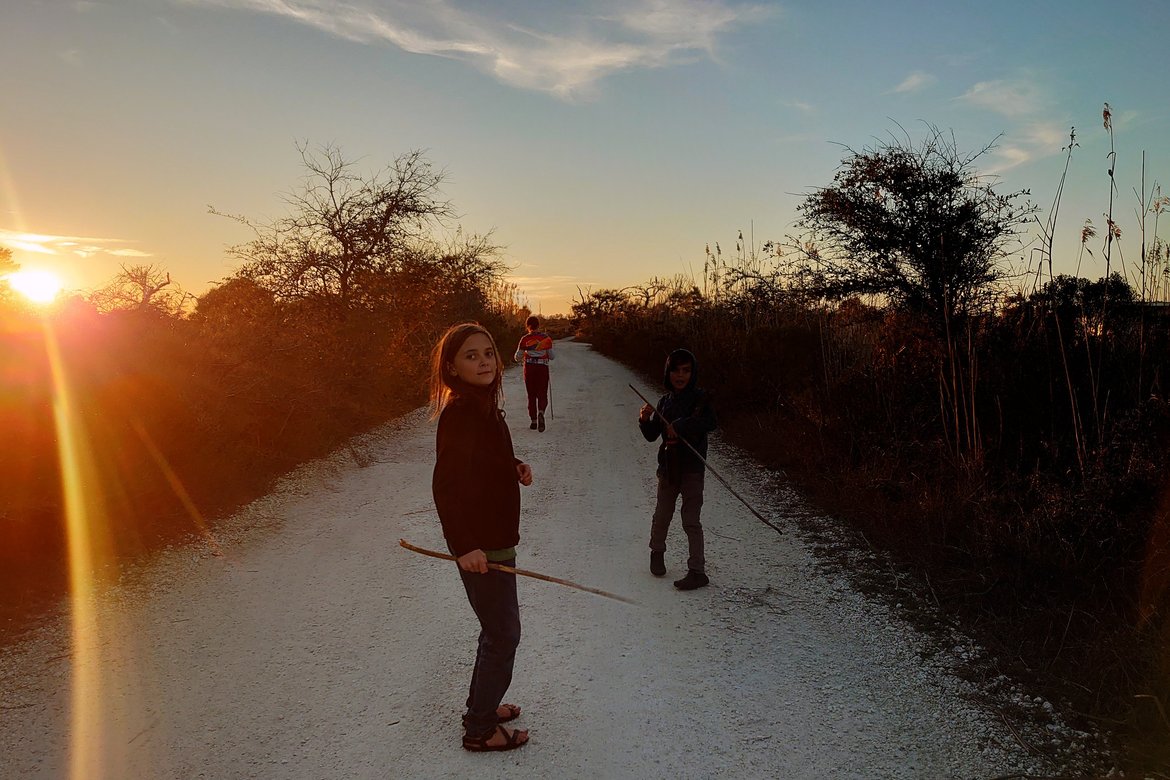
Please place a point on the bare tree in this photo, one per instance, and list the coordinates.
(343, 227)
(140, 288)
(647, 293)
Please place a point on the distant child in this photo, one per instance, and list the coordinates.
(477, 494)
(684, 416)
(537, 350)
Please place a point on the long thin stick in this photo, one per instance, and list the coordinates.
(524, 572)
(703, 460)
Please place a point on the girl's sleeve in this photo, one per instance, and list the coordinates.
(511, 450)
(453, 481)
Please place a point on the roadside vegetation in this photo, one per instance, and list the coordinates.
(1003, 434)
(185, 407)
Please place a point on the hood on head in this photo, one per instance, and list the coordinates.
(677, 358)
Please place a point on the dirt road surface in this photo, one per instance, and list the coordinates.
(315, 647)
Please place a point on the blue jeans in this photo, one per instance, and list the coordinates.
(493, 597)
(690, 487)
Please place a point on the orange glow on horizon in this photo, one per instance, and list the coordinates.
(37, 285)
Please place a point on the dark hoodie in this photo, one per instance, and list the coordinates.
(474, 482)
(689, 411)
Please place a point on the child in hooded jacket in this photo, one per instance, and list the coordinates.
(683, 416)
(476, 490)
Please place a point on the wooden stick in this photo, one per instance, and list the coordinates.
(523, 572)
(703, 460)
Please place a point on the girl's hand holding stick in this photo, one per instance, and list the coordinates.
(522, 572)
(475, 562)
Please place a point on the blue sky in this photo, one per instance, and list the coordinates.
(605, 143)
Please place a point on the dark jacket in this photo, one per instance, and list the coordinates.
(474, 483)
(690, 412)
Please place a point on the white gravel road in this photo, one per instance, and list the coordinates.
(316, 647)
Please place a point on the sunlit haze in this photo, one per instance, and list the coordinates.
(37, 286)
(604, 143)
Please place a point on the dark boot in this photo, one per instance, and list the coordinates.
(540, 422)
(657, 563)
(532, 427)
(694, 579)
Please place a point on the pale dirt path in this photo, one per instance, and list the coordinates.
(318, 648)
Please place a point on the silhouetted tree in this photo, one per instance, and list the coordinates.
(915, 224)
(343, 228)
(140, 288)
(237, 302)
(600, 304)
(1086, 304)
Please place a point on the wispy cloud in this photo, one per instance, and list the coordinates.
(808, 109)
(1012, 98)
(1031, 141)
(550, 47)
(1045, 134)
(78, 246)
(915, 82)
(1008, 156)
(543, 285)
(1025, 104)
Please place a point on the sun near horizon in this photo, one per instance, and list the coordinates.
(37, 285)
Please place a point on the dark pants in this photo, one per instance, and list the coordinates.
(493, 597)
(690, 487)
(536, 383)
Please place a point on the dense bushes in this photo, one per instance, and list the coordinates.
(1020, 491)
(207, 407)
(170, 413)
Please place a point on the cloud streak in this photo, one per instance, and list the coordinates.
(1011, 98)
(559, 48)
(799, 106)
(1023, 101)
(79, 246)
(915, 82)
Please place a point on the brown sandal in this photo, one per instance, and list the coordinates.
(511, 712)
(512, 740)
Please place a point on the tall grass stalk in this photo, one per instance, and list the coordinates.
(1144, 208)
(1048, 232)
(1111, 232)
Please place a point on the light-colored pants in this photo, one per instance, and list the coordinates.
(690, 487)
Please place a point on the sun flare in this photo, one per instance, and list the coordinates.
(36, 285)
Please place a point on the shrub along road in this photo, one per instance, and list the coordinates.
(314, 646)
